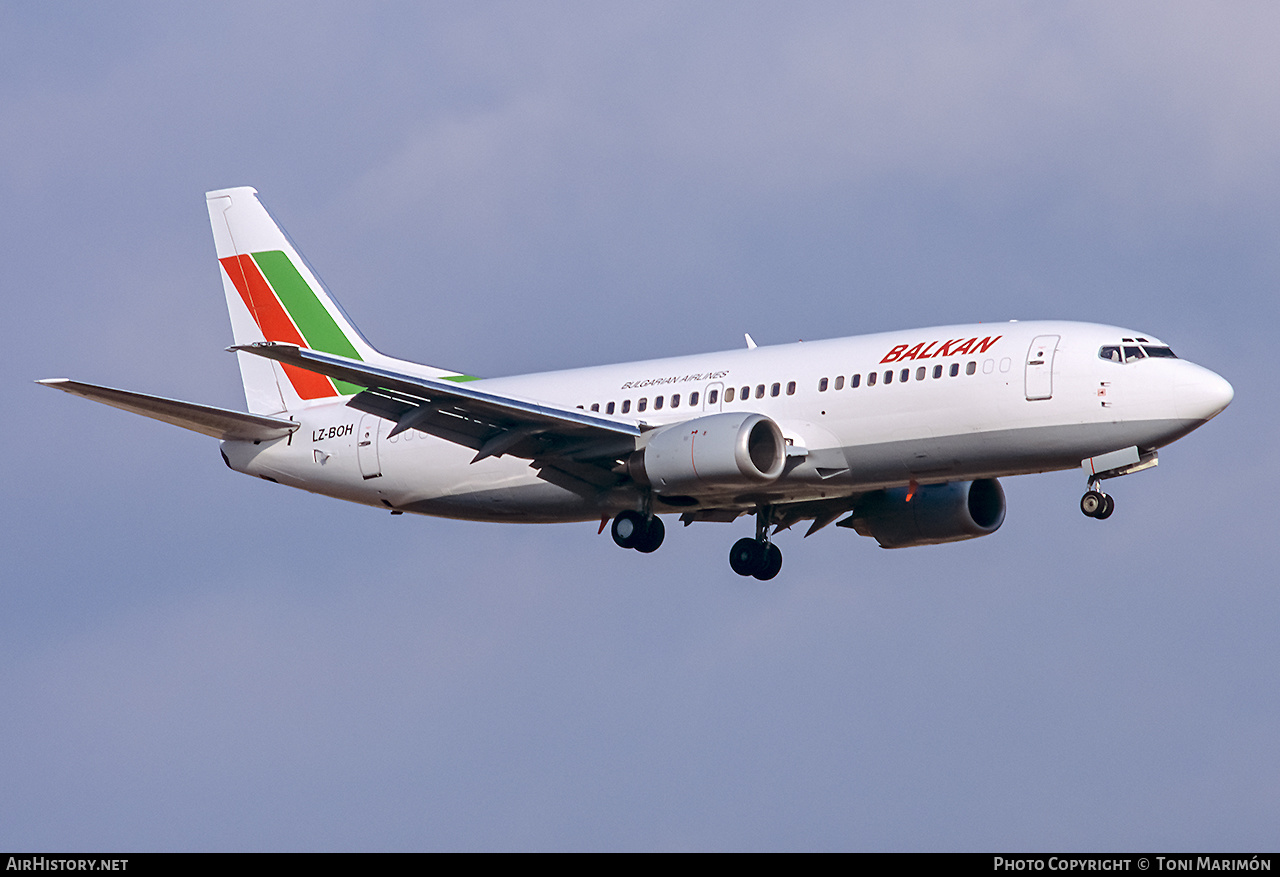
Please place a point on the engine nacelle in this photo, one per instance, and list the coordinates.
(716, 452)
(936, 513)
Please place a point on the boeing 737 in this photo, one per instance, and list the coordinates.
(899, 435)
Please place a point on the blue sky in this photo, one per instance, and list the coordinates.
(191, 659)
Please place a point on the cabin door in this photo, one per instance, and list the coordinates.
(1040, 367)
(367, 446)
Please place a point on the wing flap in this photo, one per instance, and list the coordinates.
(220, 423)
(489, 423)
(783, 516)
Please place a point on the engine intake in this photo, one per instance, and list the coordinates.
(937, 513)
(716, 452)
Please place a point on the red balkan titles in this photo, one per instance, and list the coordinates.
(934, 349)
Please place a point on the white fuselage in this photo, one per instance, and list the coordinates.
(961, 402)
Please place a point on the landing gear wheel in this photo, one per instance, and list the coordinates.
(628, 529)
(1094, 503)
(771, 563)
(651, 536)
(1108, 507)
(747, 556)
(634, 530)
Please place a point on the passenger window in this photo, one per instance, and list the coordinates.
(854, 380)
(711, 397)
(728, 395)
(608, 409)
(920, 373)
(905, 375)
(626, 406)
(642, 404)
(744, 394)
(988, 366)
(888, 376)
(581, 408)
(840, 382)
(791, 388)
(775, 390)
(1005, 364)
(693, 399)
(759, 391)
(971, 368)
(822, 385)
(675, 400)
(871, 379)
(657, 403)
(595, 406)
(937, 372)
(955, 369)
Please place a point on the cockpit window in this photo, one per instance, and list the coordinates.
(1131, 351)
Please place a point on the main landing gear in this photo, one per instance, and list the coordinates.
(757, 557)
(1096, 504)
(642, 532)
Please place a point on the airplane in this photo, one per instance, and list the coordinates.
(900, 436)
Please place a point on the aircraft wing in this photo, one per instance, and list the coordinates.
(490, 423)
(221, 423)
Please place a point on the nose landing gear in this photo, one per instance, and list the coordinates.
(1126, 461)
(757, 557)
(1096, 504)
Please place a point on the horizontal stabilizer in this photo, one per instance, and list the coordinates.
(220, 423)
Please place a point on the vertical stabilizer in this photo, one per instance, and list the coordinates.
(273, 295)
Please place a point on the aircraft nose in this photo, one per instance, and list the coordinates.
(1202, 394)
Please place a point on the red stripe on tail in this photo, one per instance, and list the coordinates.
(274, 323)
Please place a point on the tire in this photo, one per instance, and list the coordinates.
(1108, 507)
(746, 556)
(651, 536)
(628, 529)
(771, 563)
(1092, 503)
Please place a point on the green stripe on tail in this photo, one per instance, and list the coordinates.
(311, 317)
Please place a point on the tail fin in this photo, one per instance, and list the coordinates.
(273, 295)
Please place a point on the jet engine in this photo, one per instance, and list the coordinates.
(716, 452)
(936, 513)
